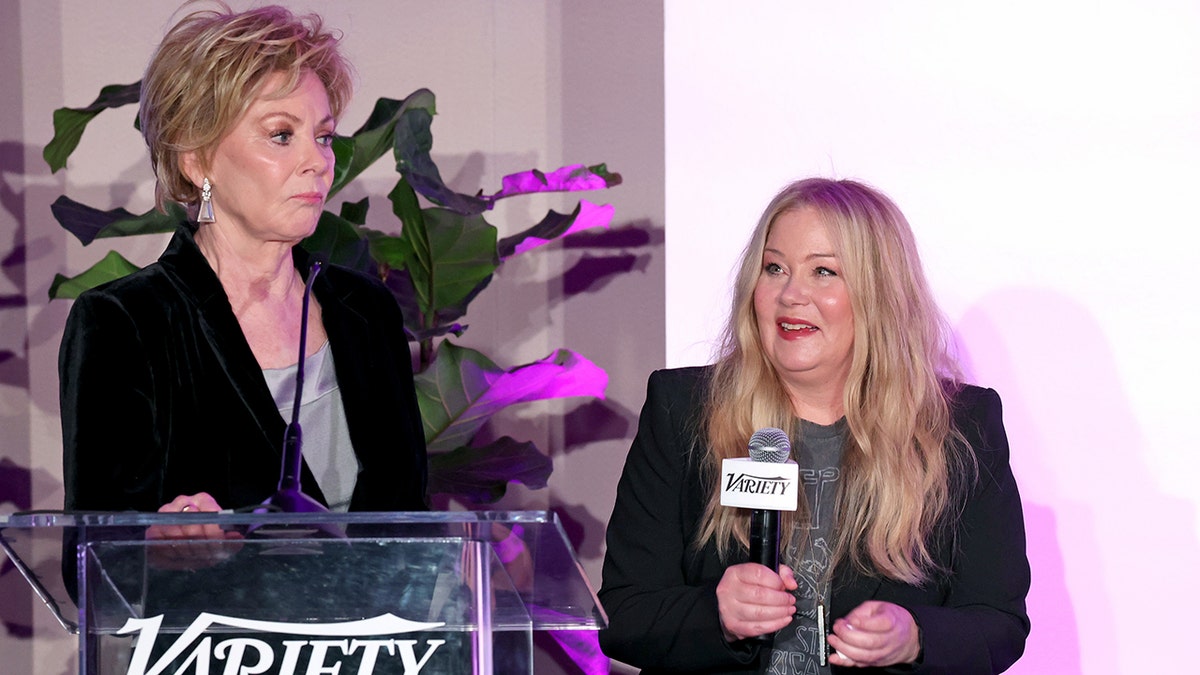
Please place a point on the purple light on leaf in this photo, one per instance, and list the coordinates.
(464, 389)
(572, 178)
(590, 215)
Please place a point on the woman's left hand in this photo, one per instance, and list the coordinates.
(875, 633)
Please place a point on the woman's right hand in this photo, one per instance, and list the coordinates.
(197, 503)
(752, 600)
(203, 545)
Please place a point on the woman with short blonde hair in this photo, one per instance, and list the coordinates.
(175, 380)
(211, 66)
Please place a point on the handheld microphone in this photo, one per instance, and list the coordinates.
(766, 482)
(289, 497)
(768, 446)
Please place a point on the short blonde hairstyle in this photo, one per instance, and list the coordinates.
(208, 70)
(905, 466)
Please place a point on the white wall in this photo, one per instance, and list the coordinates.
(1046, 155)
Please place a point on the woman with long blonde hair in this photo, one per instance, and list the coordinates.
(907, 549)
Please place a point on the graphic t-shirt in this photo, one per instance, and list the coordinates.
(819, 455)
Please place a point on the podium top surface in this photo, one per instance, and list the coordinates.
(464, 571)
(58, 519)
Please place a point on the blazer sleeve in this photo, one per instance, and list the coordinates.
(982, 624)
(111, 457)
(657, 619)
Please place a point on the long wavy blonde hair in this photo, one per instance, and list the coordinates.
(904, 465)
(211, 66)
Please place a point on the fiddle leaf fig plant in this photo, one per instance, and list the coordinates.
(436, 260)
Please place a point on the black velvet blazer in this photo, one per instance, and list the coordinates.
(162, 396)
(660, 592)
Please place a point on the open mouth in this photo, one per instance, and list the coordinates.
(796, 327)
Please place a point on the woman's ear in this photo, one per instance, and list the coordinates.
(189, 163)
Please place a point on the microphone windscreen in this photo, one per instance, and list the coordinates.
(770, 445)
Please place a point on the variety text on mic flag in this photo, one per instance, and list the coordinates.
(759, 485)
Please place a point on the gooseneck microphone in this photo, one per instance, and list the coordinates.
(768, 446)
(289, 497)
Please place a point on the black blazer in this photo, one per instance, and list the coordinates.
(161, 394)
(660, 593)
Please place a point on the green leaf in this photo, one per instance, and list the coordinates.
(414, 140)
(375, 137)
(88, 223)
(463, 251)
(443, 323)
(343, 156)
(342, 243)
(414, 236)
(463, 388)
(610, 179)
(447, 255)
(356, 212)
(481, 474)
(112, 266)
(69, 123)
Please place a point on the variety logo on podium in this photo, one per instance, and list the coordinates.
(327, 647)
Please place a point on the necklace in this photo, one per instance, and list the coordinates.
(822, 635)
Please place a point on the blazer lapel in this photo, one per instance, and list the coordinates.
(345, 328)
(221, 330)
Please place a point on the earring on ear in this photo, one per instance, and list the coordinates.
(206, 209)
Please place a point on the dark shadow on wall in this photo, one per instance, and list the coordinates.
(16, 485)
(609, 254)
(597, 265)
(578, 524)
(15, 480)
(614, 284)
(16, 611)
(14, 368)
(598, 421)
(12, 202)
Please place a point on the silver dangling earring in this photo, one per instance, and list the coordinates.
(206, 210)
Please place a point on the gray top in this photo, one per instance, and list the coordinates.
(327, 448)
(808, 549)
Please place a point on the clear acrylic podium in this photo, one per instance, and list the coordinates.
(348, 593)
